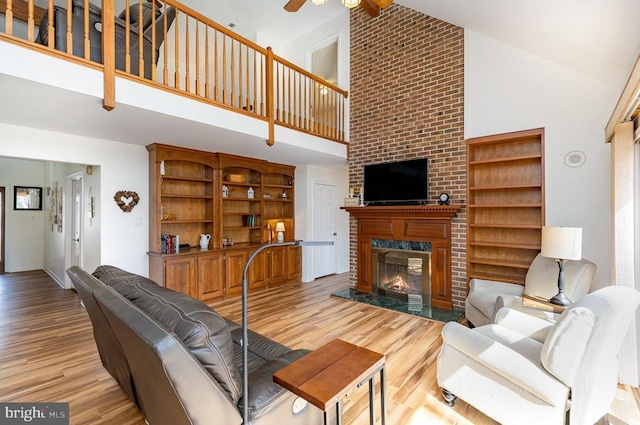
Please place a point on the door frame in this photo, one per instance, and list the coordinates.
(68, 224)
(314, 236)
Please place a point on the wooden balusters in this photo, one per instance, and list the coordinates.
(140, 40)
(9, 17)
(176, 72)
(165, 67)
(197, 58)
(50, 30)
(187, 77)
(69, 27)
(216, 84)
(127, 38)
(270, 95)
(87, 42)
(217, 64)
(30, 27)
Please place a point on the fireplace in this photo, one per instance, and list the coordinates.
(420, 232)
(402, 270)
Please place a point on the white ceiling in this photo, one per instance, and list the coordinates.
(599, 38)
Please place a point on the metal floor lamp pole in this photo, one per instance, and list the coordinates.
(245, 318)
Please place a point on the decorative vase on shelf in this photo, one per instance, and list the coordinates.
(204, 241)
(225, 191)
(250, 193)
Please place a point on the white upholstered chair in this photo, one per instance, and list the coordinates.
(486, 297)
(524, 370)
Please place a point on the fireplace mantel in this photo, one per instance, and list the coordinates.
(426, 212)
(424, 223)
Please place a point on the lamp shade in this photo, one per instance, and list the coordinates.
(280, 227)
(562, 243)
(318, 2)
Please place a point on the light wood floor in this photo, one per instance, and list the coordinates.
(47, 351)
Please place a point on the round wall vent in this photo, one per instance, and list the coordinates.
(575, 159)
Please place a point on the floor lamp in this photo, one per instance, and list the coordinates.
(245, 319)
(561, 244)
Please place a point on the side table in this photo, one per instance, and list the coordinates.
(541, 303)
(330, 373)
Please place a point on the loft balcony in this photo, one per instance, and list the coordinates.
(166, 74)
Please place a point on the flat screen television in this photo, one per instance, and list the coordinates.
(400, 183)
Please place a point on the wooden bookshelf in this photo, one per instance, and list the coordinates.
(187, 199)
(505, 193)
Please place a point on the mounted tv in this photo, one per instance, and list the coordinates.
(399, 183)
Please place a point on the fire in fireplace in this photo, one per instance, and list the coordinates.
(402, 271)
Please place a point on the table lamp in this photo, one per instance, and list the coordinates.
(280, 229)
(561, 244)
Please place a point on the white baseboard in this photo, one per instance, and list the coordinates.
(55, 278)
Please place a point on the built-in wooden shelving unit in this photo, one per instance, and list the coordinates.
(505, 192)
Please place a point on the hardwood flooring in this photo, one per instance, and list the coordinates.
(47, 351)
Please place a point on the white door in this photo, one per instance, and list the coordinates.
(324, 229)
(76, 221)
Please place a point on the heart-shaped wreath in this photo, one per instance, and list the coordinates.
(126, 199)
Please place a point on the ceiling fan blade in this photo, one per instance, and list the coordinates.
(294, 5)
(383, 3)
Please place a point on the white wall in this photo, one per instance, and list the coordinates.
(23, 229)
(124, 236)
(306, 177)
(507, 90)
(297, 51)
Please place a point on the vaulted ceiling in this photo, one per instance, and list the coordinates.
(599, 38)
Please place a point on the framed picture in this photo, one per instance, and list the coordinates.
(27, 198)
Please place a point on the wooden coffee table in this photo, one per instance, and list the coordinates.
(330, 373)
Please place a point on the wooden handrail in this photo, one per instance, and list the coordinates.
(310, 75)
(200, 59)
(192, 13)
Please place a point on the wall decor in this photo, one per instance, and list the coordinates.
(27, 198)
(92, 204)
(55, 206)
(126, 199)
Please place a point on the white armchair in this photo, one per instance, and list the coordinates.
(524, 370)
(486, 297)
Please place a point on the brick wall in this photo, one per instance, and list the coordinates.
(407, 101)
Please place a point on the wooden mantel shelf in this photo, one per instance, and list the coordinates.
(432, 211)
(415, 223)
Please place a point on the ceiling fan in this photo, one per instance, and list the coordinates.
(371, 6)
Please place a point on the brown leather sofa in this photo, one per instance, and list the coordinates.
(180, 361)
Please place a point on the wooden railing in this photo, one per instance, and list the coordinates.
(175, 48)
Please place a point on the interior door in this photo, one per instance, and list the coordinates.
(324, 229)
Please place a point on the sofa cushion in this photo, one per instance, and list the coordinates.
(201, 329)
(263, 392)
